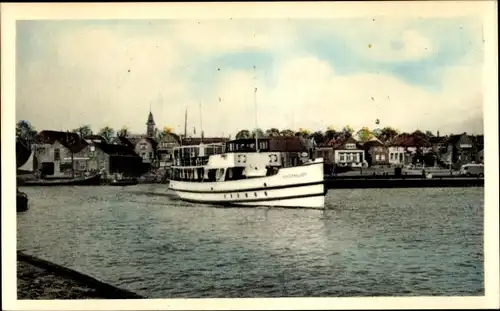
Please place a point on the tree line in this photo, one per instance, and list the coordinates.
(26, 131)
(323, 137)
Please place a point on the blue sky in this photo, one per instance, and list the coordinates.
(310, 73)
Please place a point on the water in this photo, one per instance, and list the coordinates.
(391, 242)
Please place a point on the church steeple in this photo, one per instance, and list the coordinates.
(150, 131)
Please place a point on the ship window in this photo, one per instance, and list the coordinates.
(200, 173)
(246, 195)
(238, 195)
(231, 195)
(211, 175)
(234, 173)
(265, 193)
(255, 193)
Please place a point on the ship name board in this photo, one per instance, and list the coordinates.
(295, 175)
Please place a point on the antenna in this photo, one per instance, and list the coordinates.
(255, 109)
(201, 124)
(185, 123)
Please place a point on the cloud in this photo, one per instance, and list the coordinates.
(90, 73)
(310, 94)
(410, 46)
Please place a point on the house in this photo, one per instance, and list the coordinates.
(376, 152)
(144, 146)
(461, 150)
(439, 146)
(408, 149)
(348, 152)
(165, 148)
(54, 152)
(109, 158)
(327, 153)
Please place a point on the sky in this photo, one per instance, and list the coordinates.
(410, 73)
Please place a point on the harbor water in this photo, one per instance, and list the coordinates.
(367, 242)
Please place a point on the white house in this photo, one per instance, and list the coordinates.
(348, 153)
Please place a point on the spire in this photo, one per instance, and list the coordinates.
(151, 120)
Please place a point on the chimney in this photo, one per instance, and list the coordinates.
(437, 133)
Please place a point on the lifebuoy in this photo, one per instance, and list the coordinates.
(242, 158)
(273, 158)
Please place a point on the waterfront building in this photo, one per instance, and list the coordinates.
(376, 152)
(54, 152)
(408, 149)
(461, 149)
(348, 152)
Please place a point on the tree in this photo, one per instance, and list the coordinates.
(123, 132)
(330, 133)
(387, 133)
(164, 132)
(429, 134)
(25, 131)
(243, 134)
(83, 130)
(420, 134)
(107, 133)
(287, 132)
(364, 134)
(377, 132)
(347, 131)
(318, 137)
(272, 132)
(304, 132)
(258, 132)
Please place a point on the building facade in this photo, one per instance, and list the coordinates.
(165, 150)
(55, 153)
(376, 152)
(349, 153)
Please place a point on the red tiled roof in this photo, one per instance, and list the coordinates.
(341, 141)
(373, 143)
(408, 140)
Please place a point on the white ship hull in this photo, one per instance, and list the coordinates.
(299, 187)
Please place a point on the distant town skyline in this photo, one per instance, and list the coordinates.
(423, 73)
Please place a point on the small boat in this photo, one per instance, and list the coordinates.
(22, 201)
(124, 182)
(94, 180)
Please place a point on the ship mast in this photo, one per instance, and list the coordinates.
(255, 109)
(185, 123)
(201, 124)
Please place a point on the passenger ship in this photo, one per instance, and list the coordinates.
(272, 172)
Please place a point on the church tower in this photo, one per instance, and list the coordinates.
(150, 132)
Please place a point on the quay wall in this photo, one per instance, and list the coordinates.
(42, 279)
(365, 182)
